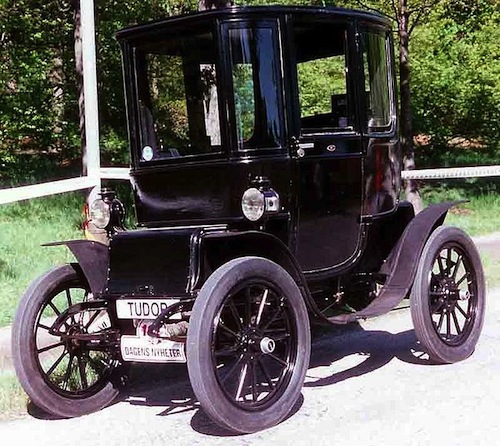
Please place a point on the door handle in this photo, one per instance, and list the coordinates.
(301, 147)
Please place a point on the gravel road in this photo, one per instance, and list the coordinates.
(366, 385)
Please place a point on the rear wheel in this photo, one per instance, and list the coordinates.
(448, 296)
(248, 344)
(64, 374)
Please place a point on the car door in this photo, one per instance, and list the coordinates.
(255, 97)
(328, 149)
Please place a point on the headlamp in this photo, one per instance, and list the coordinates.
(99, 213)
(253, 204)
(258, 202)
(107, 212)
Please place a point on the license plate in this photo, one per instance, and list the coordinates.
(141, 349)
(142, 308)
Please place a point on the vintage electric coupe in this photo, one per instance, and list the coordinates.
(266, 171)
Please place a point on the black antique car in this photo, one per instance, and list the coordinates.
(266, 171)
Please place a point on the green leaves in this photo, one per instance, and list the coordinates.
(456, 78)
(455, 61)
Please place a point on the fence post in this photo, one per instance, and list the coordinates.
(91, 153)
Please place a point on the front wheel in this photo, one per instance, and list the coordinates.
(448, 297)
(248, 344)
(63, 374)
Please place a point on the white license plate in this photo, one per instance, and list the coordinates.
(142, 308)
(140, 349)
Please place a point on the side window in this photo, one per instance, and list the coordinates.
(178, 101)
(256, 79)
(244, 102)
(377, 87)
(322, 73)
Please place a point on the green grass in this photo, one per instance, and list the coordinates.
(23, 227)
(13, 400)
(491, 267)
(480, 215)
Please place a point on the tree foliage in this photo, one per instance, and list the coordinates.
(454, 60)
(39, 112)
(456, 72)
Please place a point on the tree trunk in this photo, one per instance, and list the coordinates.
(56, 80)
(411, 187)
(79, 75)
(203, 5)
(210, 100)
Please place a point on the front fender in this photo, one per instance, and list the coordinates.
(93, 258)
(213, 249)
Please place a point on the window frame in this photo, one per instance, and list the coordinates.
(391, 127)
(351, 59)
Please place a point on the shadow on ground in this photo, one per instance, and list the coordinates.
(167, 387)
(378, 347)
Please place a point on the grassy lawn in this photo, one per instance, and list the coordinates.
(12, 397)
(23, 227)
(480, 215)
(491, 265)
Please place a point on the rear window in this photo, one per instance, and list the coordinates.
(377, 85)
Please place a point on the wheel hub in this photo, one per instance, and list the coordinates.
(74, 344)
(255, 342)
(449, 291)
(267, 345)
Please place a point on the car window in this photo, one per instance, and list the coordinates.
(377, 87)
(178, 99)
(322, 74)
(256, 80)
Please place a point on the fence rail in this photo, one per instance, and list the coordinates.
(13, 194)
(41, 190)
(122, 173)
(452, 172)
(61, 186)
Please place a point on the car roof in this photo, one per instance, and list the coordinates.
(253, 12)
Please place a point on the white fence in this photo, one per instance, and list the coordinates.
(116, 173)
(61, 186)
(452, 172)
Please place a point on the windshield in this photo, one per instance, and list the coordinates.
(178, 98)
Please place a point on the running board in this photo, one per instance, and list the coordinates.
(387, 299)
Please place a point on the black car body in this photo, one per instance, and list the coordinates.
(266, 172)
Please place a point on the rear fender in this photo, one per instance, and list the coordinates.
(401, 264)
(93, 259)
